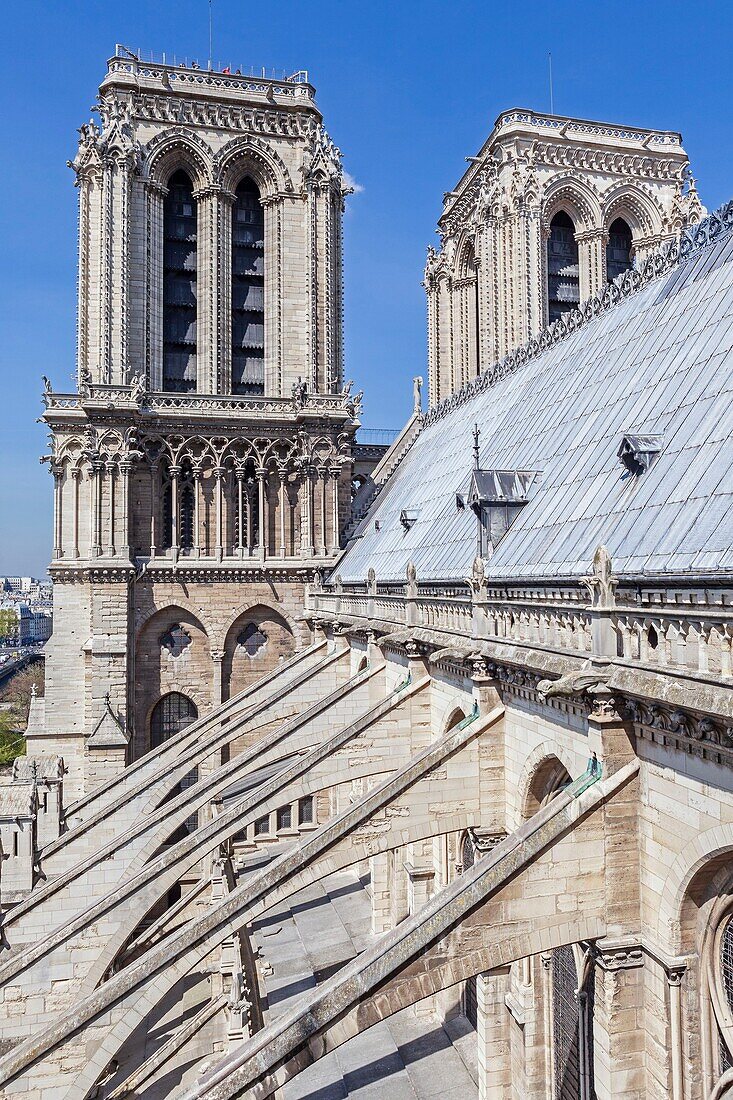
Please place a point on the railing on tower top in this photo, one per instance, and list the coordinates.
(144, 58)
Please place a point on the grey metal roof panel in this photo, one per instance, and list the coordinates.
(657, 363)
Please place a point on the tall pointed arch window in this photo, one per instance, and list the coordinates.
(180, 234)
(248, 290)
(572, 1020)
(618, 249)
(563, 268)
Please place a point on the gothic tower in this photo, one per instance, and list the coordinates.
(549, 211)
(202, 469)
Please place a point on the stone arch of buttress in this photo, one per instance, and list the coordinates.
(543, 774)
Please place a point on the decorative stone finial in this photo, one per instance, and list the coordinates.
(601, 584)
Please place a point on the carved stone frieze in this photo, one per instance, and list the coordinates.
(684, 726)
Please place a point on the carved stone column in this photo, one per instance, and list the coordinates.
(114, 274)
(75, 475)
(263, 525)
(592, 257)
(96, 509)
(619, 1004)
(492, 1035)
(221, 298)
(110, 470)
(323, 473)
(205, 278)
(154, 197)
(240, 475)
(274, 294)
(281, 509)
(433, 341)
(57, 471)
(335, 525)
(174, 472)
(217, 681)
(219, 493)
(154, 506)
(307, 549)
(196, 549)
(675, 974)
(125, 471)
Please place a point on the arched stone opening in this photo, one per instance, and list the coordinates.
(619, 249)
(180, 241)
(248, 290)
(455, 716)
(549, 778)
(171, 655)
(174, 711)
(706, 1005)
(572, 1026)
(563, 267)
(467, 307)
(256, 642)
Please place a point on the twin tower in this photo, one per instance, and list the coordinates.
(204, 468)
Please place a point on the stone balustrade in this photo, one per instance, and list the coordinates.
(688, 631)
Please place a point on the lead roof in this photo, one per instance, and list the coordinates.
(658, 363)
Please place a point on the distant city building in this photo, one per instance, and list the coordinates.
(18, 584)
(31, 625)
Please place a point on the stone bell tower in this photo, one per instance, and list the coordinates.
(202, 470)
(549, 212)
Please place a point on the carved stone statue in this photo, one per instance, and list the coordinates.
(477, 580)
(417, 395)
(137, 387)
(601, 584)
(371, 581)
(411, 579)
(300, 394)
(85, 382)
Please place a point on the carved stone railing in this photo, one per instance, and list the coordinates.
(214, 405)
(128, 65)
(696, 638)
(596, 129)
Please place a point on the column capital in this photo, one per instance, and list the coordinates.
(152, 187)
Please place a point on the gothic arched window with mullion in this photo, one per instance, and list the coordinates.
(180, 239)
(248, 291)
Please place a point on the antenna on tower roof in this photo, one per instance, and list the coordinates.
(210, 32)
(549, 63)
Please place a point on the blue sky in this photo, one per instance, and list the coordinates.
(408, 90)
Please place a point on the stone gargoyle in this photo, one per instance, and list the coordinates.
(588, 678)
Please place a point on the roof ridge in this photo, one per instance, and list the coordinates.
(694, 238)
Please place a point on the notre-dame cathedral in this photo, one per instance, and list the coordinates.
(379, 770)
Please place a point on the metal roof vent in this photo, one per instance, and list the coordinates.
(638, 452)
(408, 516)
